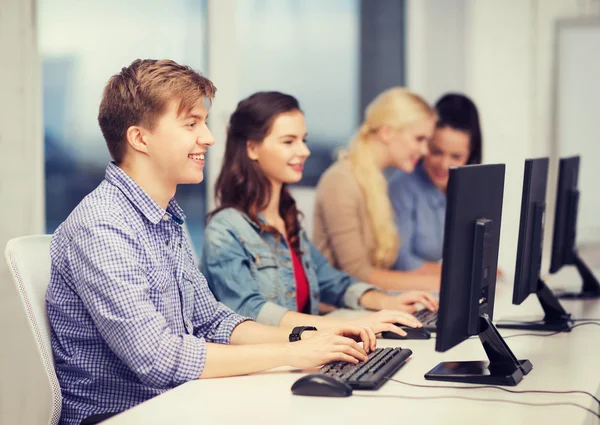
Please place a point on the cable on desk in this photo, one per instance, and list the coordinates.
(494, 387)
(552, 333)
(542, 320)
(496, 400)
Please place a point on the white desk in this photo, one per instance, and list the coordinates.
(568, 361)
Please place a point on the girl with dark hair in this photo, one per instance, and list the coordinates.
(256, 256)
(419, 199)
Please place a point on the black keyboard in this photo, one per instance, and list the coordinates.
(428, 318)
(369, 375)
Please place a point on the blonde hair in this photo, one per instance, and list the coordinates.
(398, 108)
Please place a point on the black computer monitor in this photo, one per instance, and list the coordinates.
(529, 253)
(470, 257)
(564, 251)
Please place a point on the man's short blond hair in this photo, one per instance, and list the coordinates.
(140, 95)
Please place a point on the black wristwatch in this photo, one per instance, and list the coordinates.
(297, 332)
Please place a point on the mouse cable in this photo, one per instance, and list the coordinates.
(494, 387)
(552, 333)
(473, 337)
(501, 321)
(496, 400)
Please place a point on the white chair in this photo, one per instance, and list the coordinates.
(28, 259)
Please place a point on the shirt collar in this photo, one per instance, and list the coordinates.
(140, 199)
(261, 218)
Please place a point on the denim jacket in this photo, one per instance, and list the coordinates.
(252, 272)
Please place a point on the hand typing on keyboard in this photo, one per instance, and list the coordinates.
(338, 379)
(406, 301)
(387, 320)
(337, 344)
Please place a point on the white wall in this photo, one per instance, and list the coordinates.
(21, 199)
(576, 123)
(499, 77)
(510, 71)
(504, 60)
(223, 72)
(436, 47)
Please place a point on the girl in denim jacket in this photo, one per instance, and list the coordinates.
(257, 258)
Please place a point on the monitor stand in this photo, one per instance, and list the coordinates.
(503, 368)
(591, 286)
(555, 318)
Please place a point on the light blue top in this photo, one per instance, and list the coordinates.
(252, 272)
(420, 209)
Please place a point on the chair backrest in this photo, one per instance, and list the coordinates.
(28, 259)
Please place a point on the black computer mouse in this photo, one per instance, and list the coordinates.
(411, 333)
(317, 384)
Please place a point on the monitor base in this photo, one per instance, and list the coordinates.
(503, 368)
(591, 287)
(542, 326)
(480, 372)
(555, 318)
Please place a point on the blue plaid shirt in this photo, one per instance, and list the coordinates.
(130, 314)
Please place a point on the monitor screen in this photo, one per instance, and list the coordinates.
(531, 229)
(471, 241)
(475, 193)
(565, 216)
(564, 250)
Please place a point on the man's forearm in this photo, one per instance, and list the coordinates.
(229, 360)
(250, 332)
(292, 319)
(256, 333)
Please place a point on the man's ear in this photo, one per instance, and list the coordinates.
(384, 133)
(252, 149)
(135, 138)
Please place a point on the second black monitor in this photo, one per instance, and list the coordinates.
(529, 253)
(564, 249)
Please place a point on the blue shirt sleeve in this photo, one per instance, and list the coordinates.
(227, 268)
(404, 205)
(336, 287)
(115, 288)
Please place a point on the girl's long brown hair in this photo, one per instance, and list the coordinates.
(241, 183)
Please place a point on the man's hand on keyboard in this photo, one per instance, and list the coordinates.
(333, 344)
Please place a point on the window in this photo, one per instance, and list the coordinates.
(309, 49)
(82, 44)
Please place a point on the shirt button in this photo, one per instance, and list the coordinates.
(166, 217)
(167, 242)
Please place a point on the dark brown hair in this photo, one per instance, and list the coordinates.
(458, 112)
(140, 94)
(241, 183)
